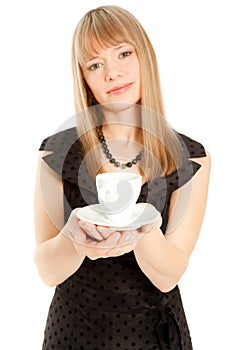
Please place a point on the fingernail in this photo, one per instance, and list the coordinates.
(117, 237)
(102, 230)
(130, 236)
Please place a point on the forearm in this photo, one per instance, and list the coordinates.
(56, 259)
(160, 261)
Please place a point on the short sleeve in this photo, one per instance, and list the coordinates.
(191, 149)
(194, 148)
(66, 153)
(160, 187)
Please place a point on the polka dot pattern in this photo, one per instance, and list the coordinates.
(109, 303)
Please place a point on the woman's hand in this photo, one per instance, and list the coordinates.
(112, 243)
(100, 241)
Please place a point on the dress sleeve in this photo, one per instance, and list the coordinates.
(63, 146)
(192, 149)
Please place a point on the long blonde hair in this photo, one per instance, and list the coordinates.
(104, 27)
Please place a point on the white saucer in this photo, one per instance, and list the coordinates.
(143, 213)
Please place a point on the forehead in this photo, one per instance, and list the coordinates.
(93, 41)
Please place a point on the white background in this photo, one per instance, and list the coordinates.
(193, 41)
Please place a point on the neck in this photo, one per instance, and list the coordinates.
(122, 122)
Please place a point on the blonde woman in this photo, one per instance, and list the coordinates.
(117, 288)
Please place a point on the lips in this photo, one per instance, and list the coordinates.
(119, 89)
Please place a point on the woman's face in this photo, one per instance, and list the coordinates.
(113, 75)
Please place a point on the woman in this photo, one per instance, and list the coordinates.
(117, 289)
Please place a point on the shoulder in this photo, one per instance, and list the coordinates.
(59, 140)
(193, 148)
(64, 150)
(195, 162)
(196, 150)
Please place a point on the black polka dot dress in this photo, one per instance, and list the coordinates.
(109, 304)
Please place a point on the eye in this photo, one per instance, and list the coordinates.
(125, 54)
(95, 66)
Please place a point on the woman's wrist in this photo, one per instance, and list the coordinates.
(66, 240)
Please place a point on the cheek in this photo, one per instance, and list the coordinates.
(138, 70)
(91, 87)
(95, 89)
(93, 83)
(135, 69)
(89, 82)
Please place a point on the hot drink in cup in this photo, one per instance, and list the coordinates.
(117, 194)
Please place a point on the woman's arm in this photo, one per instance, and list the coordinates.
(61, 249)
(56, 257)
(164, 258)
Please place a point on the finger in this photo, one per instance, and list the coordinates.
(93, 251)
(111, 247)
(81, 237)
(131, 235)
(146, 228)
(111, 241)
(105, 231)
(91, 230)
(128, 236)
(121, 250)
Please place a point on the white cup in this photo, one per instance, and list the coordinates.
(117, 194)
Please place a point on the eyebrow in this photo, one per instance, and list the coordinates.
(114, 48)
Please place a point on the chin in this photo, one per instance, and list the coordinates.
(121, 104)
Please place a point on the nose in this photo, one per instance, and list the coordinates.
(113, 72)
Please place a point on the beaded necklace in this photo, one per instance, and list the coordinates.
(112, 160)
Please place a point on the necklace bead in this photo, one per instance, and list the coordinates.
(112, 160)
